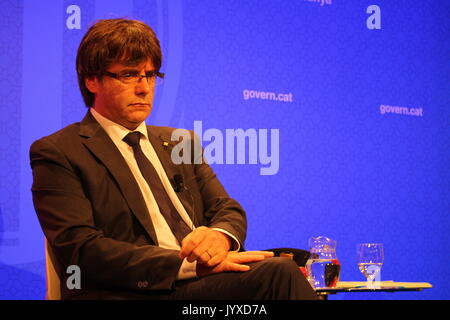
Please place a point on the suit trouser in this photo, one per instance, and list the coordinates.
(271, 279)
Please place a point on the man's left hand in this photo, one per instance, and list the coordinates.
(206, 246)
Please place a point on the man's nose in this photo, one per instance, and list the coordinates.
(143, 86)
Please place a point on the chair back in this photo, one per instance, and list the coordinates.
(300, 256)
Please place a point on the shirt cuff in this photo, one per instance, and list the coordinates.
(187, 270)
(236, 246)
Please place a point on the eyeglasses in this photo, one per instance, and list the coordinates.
(134, 78)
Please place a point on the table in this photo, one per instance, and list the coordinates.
(385, 286)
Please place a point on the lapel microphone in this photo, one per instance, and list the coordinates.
(179, 183)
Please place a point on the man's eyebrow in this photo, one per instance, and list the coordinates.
(131, 70)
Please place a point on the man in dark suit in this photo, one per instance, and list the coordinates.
(111, 200)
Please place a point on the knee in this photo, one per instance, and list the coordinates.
(277, 265)
(282, 263)
(278, 278)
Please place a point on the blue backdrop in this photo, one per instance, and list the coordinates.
(345, 103)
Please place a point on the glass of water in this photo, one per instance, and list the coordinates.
(370, 260)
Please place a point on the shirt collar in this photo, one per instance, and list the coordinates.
(116, 131)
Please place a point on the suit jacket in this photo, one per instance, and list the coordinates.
(93, 213)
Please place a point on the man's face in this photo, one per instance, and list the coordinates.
(125, 104)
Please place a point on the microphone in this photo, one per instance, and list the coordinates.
(179, 183)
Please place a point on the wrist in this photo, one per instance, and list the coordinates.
(228, 240)
(233, 242)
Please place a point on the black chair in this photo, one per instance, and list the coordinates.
(299, 256)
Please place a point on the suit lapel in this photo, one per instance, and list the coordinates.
(163, 146)
(101, 145)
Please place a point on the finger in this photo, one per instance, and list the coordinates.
(235, 267)
(195, 255)
(204, 258)
(215, 241)
(264, 253)
(215, 260)
(205, 246)
(247, 258)
(185, 249)
(190, 242)
(216, 249)
(211, 256)
(201, 256)
(212, 242)
(251, 254)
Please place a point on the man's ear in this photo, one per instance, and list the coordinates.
(91, 84)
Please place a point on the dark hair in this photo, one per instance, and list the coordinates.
(129, 42)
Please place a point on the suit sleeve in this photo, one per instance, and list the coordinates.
(66, 217)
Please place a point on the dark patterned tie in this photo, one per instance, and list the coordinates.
(179, 228)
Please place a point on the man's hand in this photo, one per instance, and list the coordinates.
(205, 245)
(234, 262)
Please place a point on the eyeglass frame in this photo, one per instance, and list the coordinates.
(137, 77)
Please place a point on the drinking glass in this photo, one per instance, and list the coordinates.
(370, 260)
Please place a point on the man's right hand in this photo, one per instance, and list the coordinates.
(234, 262)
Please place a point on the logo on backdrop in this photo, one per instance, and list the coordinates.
(405, 111)
(221, 147)
(321, 2)
(73, 21)
(267, 95)
(74, 280)
(373, 22)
